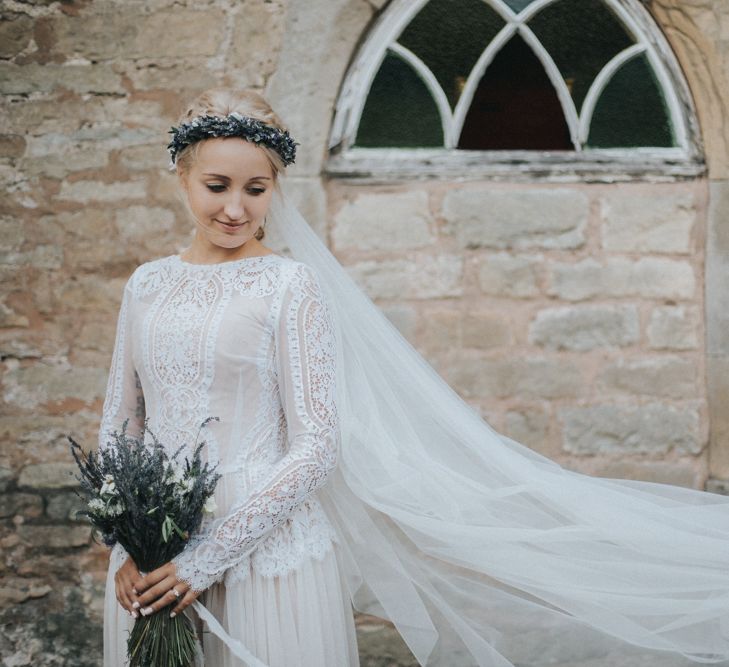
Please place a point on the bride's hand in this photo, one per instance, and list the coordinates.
(124, 580)
(157, 590)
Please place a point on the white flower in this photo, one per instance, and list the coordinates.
(97, 505)
(108, 486)
(210, 505)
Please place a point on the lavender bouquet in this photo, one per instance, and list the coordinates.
(150, 503)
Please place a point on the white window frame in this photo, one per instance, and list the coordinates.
(683, 161)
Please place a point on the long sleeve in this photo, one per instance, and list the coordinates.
(305, 364)
(124, 398)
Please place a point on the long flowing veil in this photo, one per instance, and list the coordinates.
(480, 550)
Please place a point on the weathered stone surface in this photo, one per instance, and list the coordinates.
(523, 378)
(33, 78)
(650, 277)
(143, 157)
(542, 218)
(384, 221)
(662, 472)
(584, 328)
(529, 427)
(87, 191)
(27, 505)
(647, 223)
(16, 31)
(674, 328)
(258, 30)
(56, 537)
(423, 277)
(6, 478)
(138, 224)
(484, 330)
(120, 31)
(64, 506)
(41, 476)
(647, 429)
(30, 386)
(510, 276)
(671, 377)
(16, 590)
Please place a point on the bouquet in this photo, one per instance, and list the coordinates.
(150, 503)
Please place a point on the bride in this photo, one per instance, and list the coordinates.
(353, 475)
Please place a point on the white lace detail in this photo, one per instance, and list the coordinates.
(306, 374)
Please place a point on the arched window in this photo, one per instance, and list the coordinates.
(487, 86)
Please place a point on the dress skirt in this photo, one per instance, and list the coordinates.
(301, 619)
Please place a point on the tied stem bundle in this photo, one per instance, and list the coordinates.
(143, 498)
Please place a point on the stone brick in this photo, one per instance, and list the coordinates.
(423, 277)
(584, 328)
(384, 221)
(646, 429)
(6, 478)
(646, 222)
(188, 74)
(671, 377)
(87, 191)
(650, 277)
(547, 218)
(35, 78)
(27, 505)
(674, 328)
(258, 31)
(484, 330)
(528, 427)
(140, 158)
(44, 476)
(139, 224)
(661, 472)
(523, 378)
(58, 537)
(16, 31)
(120, 31)
(17, 590)
(30, 386)
(63, 507)
(510, 276)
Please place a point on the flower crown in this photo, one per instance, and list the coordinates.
(232, 125)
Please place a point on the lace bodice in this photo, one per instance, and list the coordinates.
(250, 342)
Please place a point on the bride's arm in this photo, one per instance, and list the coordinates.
(124, 398)
(305, 362)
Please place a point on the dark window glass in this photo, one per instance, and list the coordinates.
(581, 36)
(449, 36)
(515, 106)
(518, 5)
(400, 111)
(631, 111)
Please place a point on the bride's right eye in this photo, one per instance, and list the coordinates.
(215, 187)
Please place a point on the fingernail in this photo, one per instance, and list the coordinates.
(173, 614)
(146, 611)
(134, 590)
(135, 605)
(135, 614)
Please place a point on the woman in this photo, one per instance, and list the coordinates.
(353, 472)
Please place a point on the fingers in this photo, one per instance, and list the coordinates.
(184, 601)
(123, 588)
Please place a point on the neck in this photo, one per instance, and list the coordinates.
(201, 251)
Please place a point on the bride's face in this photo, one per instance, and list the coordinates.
(229, 188)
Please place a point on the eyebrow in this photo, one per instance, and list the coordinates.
(255, 178)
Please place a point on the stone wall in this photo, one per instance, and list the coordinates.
(574, 319)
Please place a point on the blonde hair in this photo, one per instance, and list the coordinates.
(222, 102)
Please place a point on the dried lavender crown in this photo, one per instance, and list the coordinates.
(232, 125)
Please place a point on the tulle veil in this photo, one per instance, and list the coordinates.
(482, 551)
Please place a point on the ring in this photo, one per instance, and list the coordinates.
(176, 592)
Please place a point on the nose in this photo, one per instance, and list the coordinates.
(233, 208)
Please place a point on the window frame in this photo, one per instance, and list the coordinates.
(683, 161)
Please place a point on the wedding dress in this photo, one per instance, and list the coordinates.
(248, 341)
(480, 550)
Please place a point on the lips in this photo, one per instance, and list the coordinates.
(230, 225)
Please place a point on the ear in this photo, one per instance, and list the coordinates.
(182, 179)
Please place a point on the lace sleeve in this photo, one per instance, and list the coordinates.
(305, 363)
(124, 398)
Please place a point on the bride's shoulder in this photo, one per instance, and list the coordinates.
(149, 276)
